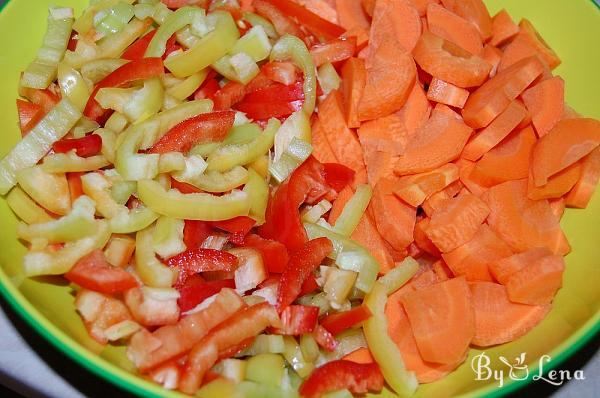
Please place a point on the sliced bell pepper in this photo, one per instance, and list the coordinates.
(46, 98)
(193, 261)
(324, 338)
(295, 153)
(93, 272)
(151, 271)
(238, 227)
(229, 95)
(338, 176)
(29, 115)
(26, 208)
(258, 192)
(167, 238)
(277, 92)
(208, 89)
(336, 375)
(49, 190)
(138, 48)
(89, 145)
(333, 51)
(72, 85)
(309, 285)
(256, 20)
(354, 210)
(298, 320)
(195, 232)
(189, 85)
(328, 78)
(174, 22)
(285, 73)
(275, 255)
(195, 290)
(340, 321)
(215, 181)
(301, 264)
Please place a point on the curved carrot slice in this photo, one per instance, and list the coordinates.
(446, 24)
(421, 238)
(351, 14)
(391, 74)
(527, 43)
(395, 18)
(438, 142)
(583, 190)
(503, 268)
(474, 11)
(494, 96)
(498, 320)
(354, 78)
(421, 5)
(416, 109)
(414, 189)
(339, 203)
(437, 200)
(447, 61)
(444, 109)
(395, 219)
(442, 320)
(557, 185)
(446, 93)
(509, 160)
(321, 148)
(503, 28)
(367, 235)
(465, 169)
(335, 50)
(569, 141)
(492, 56)
(538, 282)
(457, 222)
(546, 101)
(362, 355)
(368, 6)
(495, 132)
(472, 258)
(558, 207)
(323, 8)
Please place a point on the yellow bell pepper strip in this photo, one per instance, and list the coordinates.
(70, 162)
(25, 208)
(229, 156)
(239, 134)
(208, 49)
(187, 87)
(131, 165)
(113, 19)
(328, 78)
(353, 210)
(132, 221)
(293, 355)
(398, 276)
(239, 67)
(167, 238)
(109, 143)
(85, 22)
(78, 223)
(256, 20)
(266, 369)
(57, 262)
(291, 47)
(173, 22)
(255, 43)
(83, 127)
(117, 122)
(136, 104)
(384, 350)
(143, 10)
(214, 181)
(195, 206)
(98, 69)
(257, 190)
(32, 148)
(72, 85)
(171, 161)
(297, 125)
(51, 191)
(42, 71)
(295, 154)
(151, 271)
(265, 344)
(312, 214)
(121, 191)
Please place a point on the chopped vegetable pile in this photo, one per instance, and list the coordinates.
(298, 197)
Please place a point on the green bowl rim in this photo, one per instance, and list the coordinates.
(138, 386)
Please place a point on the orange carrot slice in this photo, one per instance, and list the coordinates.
(570, 113)
(362, 355)
(335, 50)
(474, 11)
(569, 141)
(438, 142)
(339, 203)
(465, 169)
(583, 190)
(447, 61)
(495, 132)
(446, 93)
(395, 18)
(367, 235)
(354, 78)
(538, 282)
(444, 109)
(414, 189)
(558, 207)
(503, 28)
(446, 24)
(494, 96)
(421, 238)
(351, 14)
(557, 185)
(526, 43)
(457, 222)
(442, 271)
(503, 268)
(498, 320)
(437, 200)
(492, 56)
(368, 6)
(416, 109)
(421, 5)
(546, 102)
(442, 320)
(323, 8)
(321, 148)
(471, 259)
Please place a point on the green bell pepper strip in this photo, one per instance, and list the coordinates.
(50, 190)
(195, 206)
(256, 20)
(78, 223)
(72, 85)
(25, 208)
(70, 162)
(266, 369)
(348, 341)
(208, 49)
(309, 347)
(42, 71)
(214, 181)
(384, 350)
(295, 154)
(312, 214)
(291, 47)
(83, 127)
(174, 22)
(50, 262)
(117, 122)
(167, 238)
(297, 125)
(113, 19)
(171, 161)
(32, 148)
(229, 156)
(257, 190)
(151, 271)
(239, 67)
(136, 104)
(353, 210)
(398, 276)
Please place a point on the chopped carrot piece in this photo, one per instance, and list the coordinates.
(503, 28)
(546, 102)
(437, 200)
(75, 185)
(444, 109)
(416, 109)
(526, 43)
(442, 272)
(351, 14)
(503, 268)
(281, 22)
(583, 190)
(446, 93)
(465, 169)
(446, 24)
(339, 203)
(457, 222)
(354, 78)
(495, 132)
(421, 238)
(474, 11)
(538, 282)
(498, 320)
(557, 185)
(321, 148)
(569, 141)
(570, 113)
(323, 8)
(414, 189)
(492, 56)
(558, 206)
(335, 50)
(362, 355)
(368, 6)
(447, 61)
(395, 18)
(367, 235)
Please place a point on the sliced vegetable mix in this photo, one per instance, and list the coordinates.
(289, 197)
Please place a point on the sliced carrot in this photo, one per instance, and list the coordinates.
(446, 93)
(494, 96)
(474, 11)
(338, 204)
(367, 235)
(283, 24)
(527, 119)
(570, 113)
(446, 24)
(362, 355)
(335, 50)
(442, 271)
(416, 109)
(354, 78)
(569, 141)
(395, 18)
(447, 61)
(391, 74)
(558, 207)
(323, 8)
(351, 14)
(421, 5)
(495, 132)
(546, 102)
(75, 185)
(421, 238)
(437, 200)
(583, 190)
(521, 222)
(342, 140)
(538, 282)
(457, 222)
(395, 219)
(503, 268)
(503, 28)
(368, 6)
(557, 185)
(321, 148)
(442, 320)
(498, 320)
(492, 56)
(465, 169)
(438, 142)
(414, 189)
(509, 160)
(471, 259)
(444, 109)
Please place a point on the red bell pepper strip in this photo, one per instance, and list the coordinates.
(309, 285)
(335, 50)
(95, 273)
(75, 186)
(144, 68)
(171, 46)
(195, 232)
(29, 115)
(229, 95)
(238, 227)
(277, 92)
(72, 45)
(138, 48)
(358, 378)
(274, 254)
(195, 290)
(324, 338)
(338, 176)
(298, 320)
(184, 187)
(234, 350)
(174, 4)
(281, 72)
(206, 127)
(338, 322)
(267, 110)
(260, 82)
(302, 263)
(45, 98)
(308, 182)
(196, 260)
(282, 23)
(87, 146)
(208, 89)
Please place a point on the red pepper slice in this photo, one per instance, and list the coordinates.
(174, 4)
(29, 115)
(282, 72)
(338, 322)
(139, 47)
(308, 182)
(309, 285)
(72, 45)
(302, 263)
(338, 176)
(206, 127)
(358, 378)
(95, 273)
(45, 98)
(195, 290)
(335, 50)
(283, 24)
(75, 186)
(144, 68)
(260, 82)
(229, 95)
(195, 232)
(274, 254)
(324, 338)
(171, 46)
(238, 227)
(208, 89)
(184, 187)
(298, 320)
(197, 260)
(277, 92)
(266, 110)
(87, 146)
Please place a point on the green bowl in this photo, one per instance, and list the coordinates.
(570, 27)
